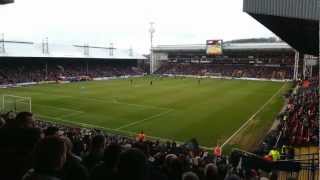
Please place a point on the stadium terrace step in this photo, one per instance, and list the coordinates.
(309, 158)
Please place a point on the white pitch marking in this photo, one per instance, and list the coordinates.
(113, 100)
(144, 120)
(129, 133)
(252, 117)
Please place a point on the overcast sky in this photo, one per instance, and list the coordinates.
(126, 22)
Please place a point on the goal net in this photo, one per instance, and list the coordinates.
(15, 103)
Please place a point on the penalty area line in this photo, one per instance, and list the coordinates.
(253, 116)
(144, 120)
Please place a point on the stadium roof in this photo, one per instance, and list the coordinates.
(31, 49)
(294, 21)
(227, 47)
(6, 1)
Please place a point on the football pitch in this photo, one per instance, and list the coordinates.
(171, 108)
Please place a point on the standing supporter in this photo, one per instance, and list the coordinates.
(107, 169)
(95, 155)
(49, 157)
(132, 165)
(22, 120)
(211, 172)
(53, 131)
(217, 151)
(275, 154)
(190, 176)
(2, 122)
(141, 136)
(73, 169)
(17, 140)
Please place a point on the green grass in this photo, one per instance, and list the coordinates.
(171, 108)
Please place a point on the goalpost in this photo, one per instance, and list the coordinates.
(16, 103)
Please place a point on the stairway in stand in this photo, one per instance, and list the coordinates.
(307, 156)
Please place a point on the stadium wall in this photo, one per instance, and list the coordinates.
(52, 82)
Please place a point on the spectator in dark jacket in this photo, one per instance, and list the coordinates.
(17, 140)
(49, 158)
(211, 172)
(132, 165)
(95, 155)
(107, 169)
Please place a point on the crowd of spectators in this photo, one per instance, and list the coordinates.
(229, 70)
(12, 73)
(36, 150)
(20, 71)
(298, 123)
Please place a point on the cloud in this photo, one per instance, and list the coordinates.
(126, 22)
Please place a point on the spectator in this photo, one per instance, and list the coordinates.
(49, 158)
(190, 176)
(132, 165)
(95, 155)
(17, 140)
(232, 177)
(22, 120)
(73, 169)
(107, 169)
(211, 172)
(2, 122)
(53, 131)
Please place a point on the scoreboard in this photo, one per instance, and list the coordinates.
(214, 47)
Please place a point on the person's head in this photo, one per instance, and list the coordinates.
(53, 131)
(24, 120)
(132, 165)
(111, 155)
(98, 144)
(11, 115)
(232, 177)
(211, 171)
(50, 154)
(190, 176)
(2, 122)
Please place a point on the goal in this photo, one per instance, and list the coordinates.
(15, 103)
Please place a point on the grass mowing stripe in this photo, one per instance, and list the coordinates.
(253, 116)
(113, 100)
(59, 108)
(71, 114)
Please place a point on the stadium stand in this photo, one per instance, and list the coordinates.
(20, 70)
(247, 58)
(228, 70)
(97, 155)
